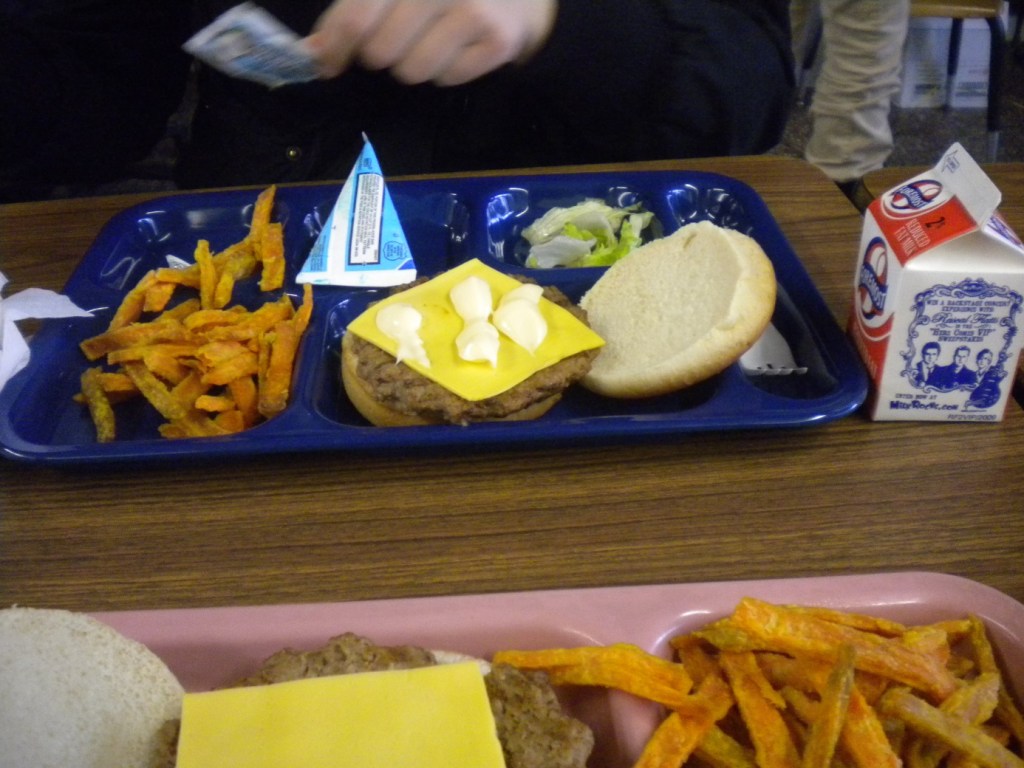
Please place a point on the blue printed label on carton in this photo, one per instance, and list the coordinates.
(959, 350)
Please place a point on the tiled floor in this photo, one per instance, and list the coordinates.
(923, 134)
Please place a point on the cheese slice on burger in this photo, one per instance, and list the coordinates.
(434, 717)
(441, 325)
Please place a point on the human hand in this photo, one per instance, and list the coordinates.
(447, 42)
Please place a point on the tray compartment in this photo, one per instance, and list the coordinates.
(708, 200)
(577, 403)
(508, 210)
(821, 376)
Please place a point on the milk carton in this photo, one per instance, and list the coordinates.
(937, 297)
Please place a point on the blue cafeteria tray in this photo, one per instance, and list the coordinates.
(446, 221)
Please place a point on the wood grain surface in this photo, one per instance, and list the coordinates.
(847, 497)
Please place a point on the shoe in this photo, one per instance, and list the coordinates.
(856, 192)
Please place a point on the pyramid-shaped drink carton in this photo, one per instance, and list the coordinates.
(362, 243)
(937, 297)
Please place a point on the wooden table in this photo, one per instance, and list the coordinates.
(846, 497)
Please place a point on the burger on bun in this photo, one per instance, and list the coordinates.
(515, 721)
(75, 693)
(472, 344)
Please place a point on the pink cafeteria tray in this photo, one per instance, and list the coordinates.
(207, 647)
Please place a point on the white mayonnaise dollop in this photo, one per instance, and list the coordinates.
(401, 322)
(472, 299)
(528, 291)
(478, 342)
(518, 316)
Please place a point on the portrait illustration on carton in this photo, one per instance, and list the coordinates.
(960, 340)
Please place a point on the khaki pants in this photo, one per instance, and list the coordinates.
(861, 52)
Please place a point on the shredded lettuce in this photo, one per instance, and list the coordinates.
(552, 222)
(588, 234)
(559, 251)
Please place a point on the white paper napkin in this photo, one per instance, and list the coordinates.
(36, 303)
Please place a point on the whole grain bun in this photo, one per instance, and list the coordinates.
(75, 692)
(360, 394)
(678, 310)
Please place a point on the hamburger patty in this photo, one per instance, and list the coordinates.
(400, 388)
(342, 655)
(533, 730)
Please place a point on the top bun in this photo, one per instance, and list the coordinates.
(75, 692)
(678, 310)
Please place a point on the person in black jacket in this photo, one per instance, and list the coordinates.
(86, 86)
(90, 85)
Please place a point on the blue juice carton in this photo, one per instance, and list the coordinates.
(938, 297)
(362, 243)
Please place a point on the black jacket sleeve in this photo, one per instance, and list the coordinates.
(86, 86)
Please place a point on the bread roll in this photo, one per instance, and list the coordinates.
(678, 310)
(75, 692)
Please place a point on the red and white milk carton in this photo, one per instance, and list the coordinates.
(937, 297)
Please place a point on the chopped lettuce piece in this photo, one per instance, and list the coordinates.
(559, 251)
(552, 222)
(607, 255)
(557, 238)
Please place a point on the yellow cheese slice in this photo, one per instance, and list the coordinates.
(566, 335)
(434, 717)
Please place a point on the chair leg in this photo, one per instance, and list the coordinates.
(1018, 50)
(1017, 8)
(997, 64)
(812, 42)
(953, 58)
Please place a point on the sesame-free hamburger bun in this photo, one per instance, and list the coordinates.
(678, 310)
(75, 693)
